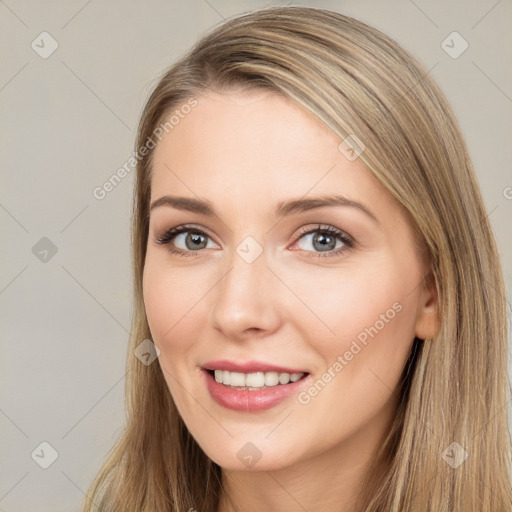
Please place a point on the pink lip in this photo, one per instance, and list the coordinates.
(251, 401)
(248, 367)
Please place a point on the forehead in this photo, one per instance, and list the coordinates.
(255, 147)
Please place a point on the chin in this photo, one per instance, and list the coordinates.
(243, 455)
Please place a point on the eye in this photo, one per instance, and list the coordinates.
(325, 241)
(186, 240)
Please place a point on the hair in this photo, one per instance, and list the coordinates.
(455, 387)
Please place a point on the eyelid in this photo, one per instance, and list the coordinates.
(324, 228)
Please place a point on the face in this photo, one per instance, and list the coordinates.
(263, 282)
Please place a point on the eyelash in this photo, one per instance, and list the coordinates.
(347, 240)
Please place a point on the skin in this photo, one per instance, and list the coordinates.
(245, 152)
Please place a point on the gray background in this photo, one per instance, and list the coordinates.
(68, 123)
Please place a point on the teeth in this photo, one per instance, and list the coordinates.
(271, 378)
(255, 380)
(235, 379)
(284, 378)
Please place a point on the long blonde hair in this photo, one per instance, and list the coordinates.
(455, 387)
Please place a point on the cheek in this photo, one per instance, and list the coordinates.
(172, 299)
(173, 305)
(372, 315)
(366, 313)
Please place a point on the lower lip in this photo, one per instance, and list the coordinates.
(251, 401)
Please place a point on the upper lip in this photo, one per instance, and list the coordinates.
(248, 367)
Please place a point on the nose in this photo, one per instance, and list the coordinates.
(246, 300)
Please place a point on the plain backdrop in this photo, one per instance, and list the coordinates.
(68, 122)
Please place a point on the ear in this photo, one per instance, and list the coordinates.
(428, 320)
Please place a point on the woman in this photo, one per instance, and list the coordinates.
(314, 263)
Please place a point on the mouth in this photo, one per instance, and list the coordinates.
(254, 381)
(253, 391)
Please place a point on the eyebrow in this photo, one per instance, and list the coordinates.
(283, 208)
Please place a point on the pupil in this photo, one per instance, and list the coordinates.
(196, 239)
(324, 241)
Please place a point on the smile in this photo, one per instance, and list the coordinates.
(252, 391)
(254, 381)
